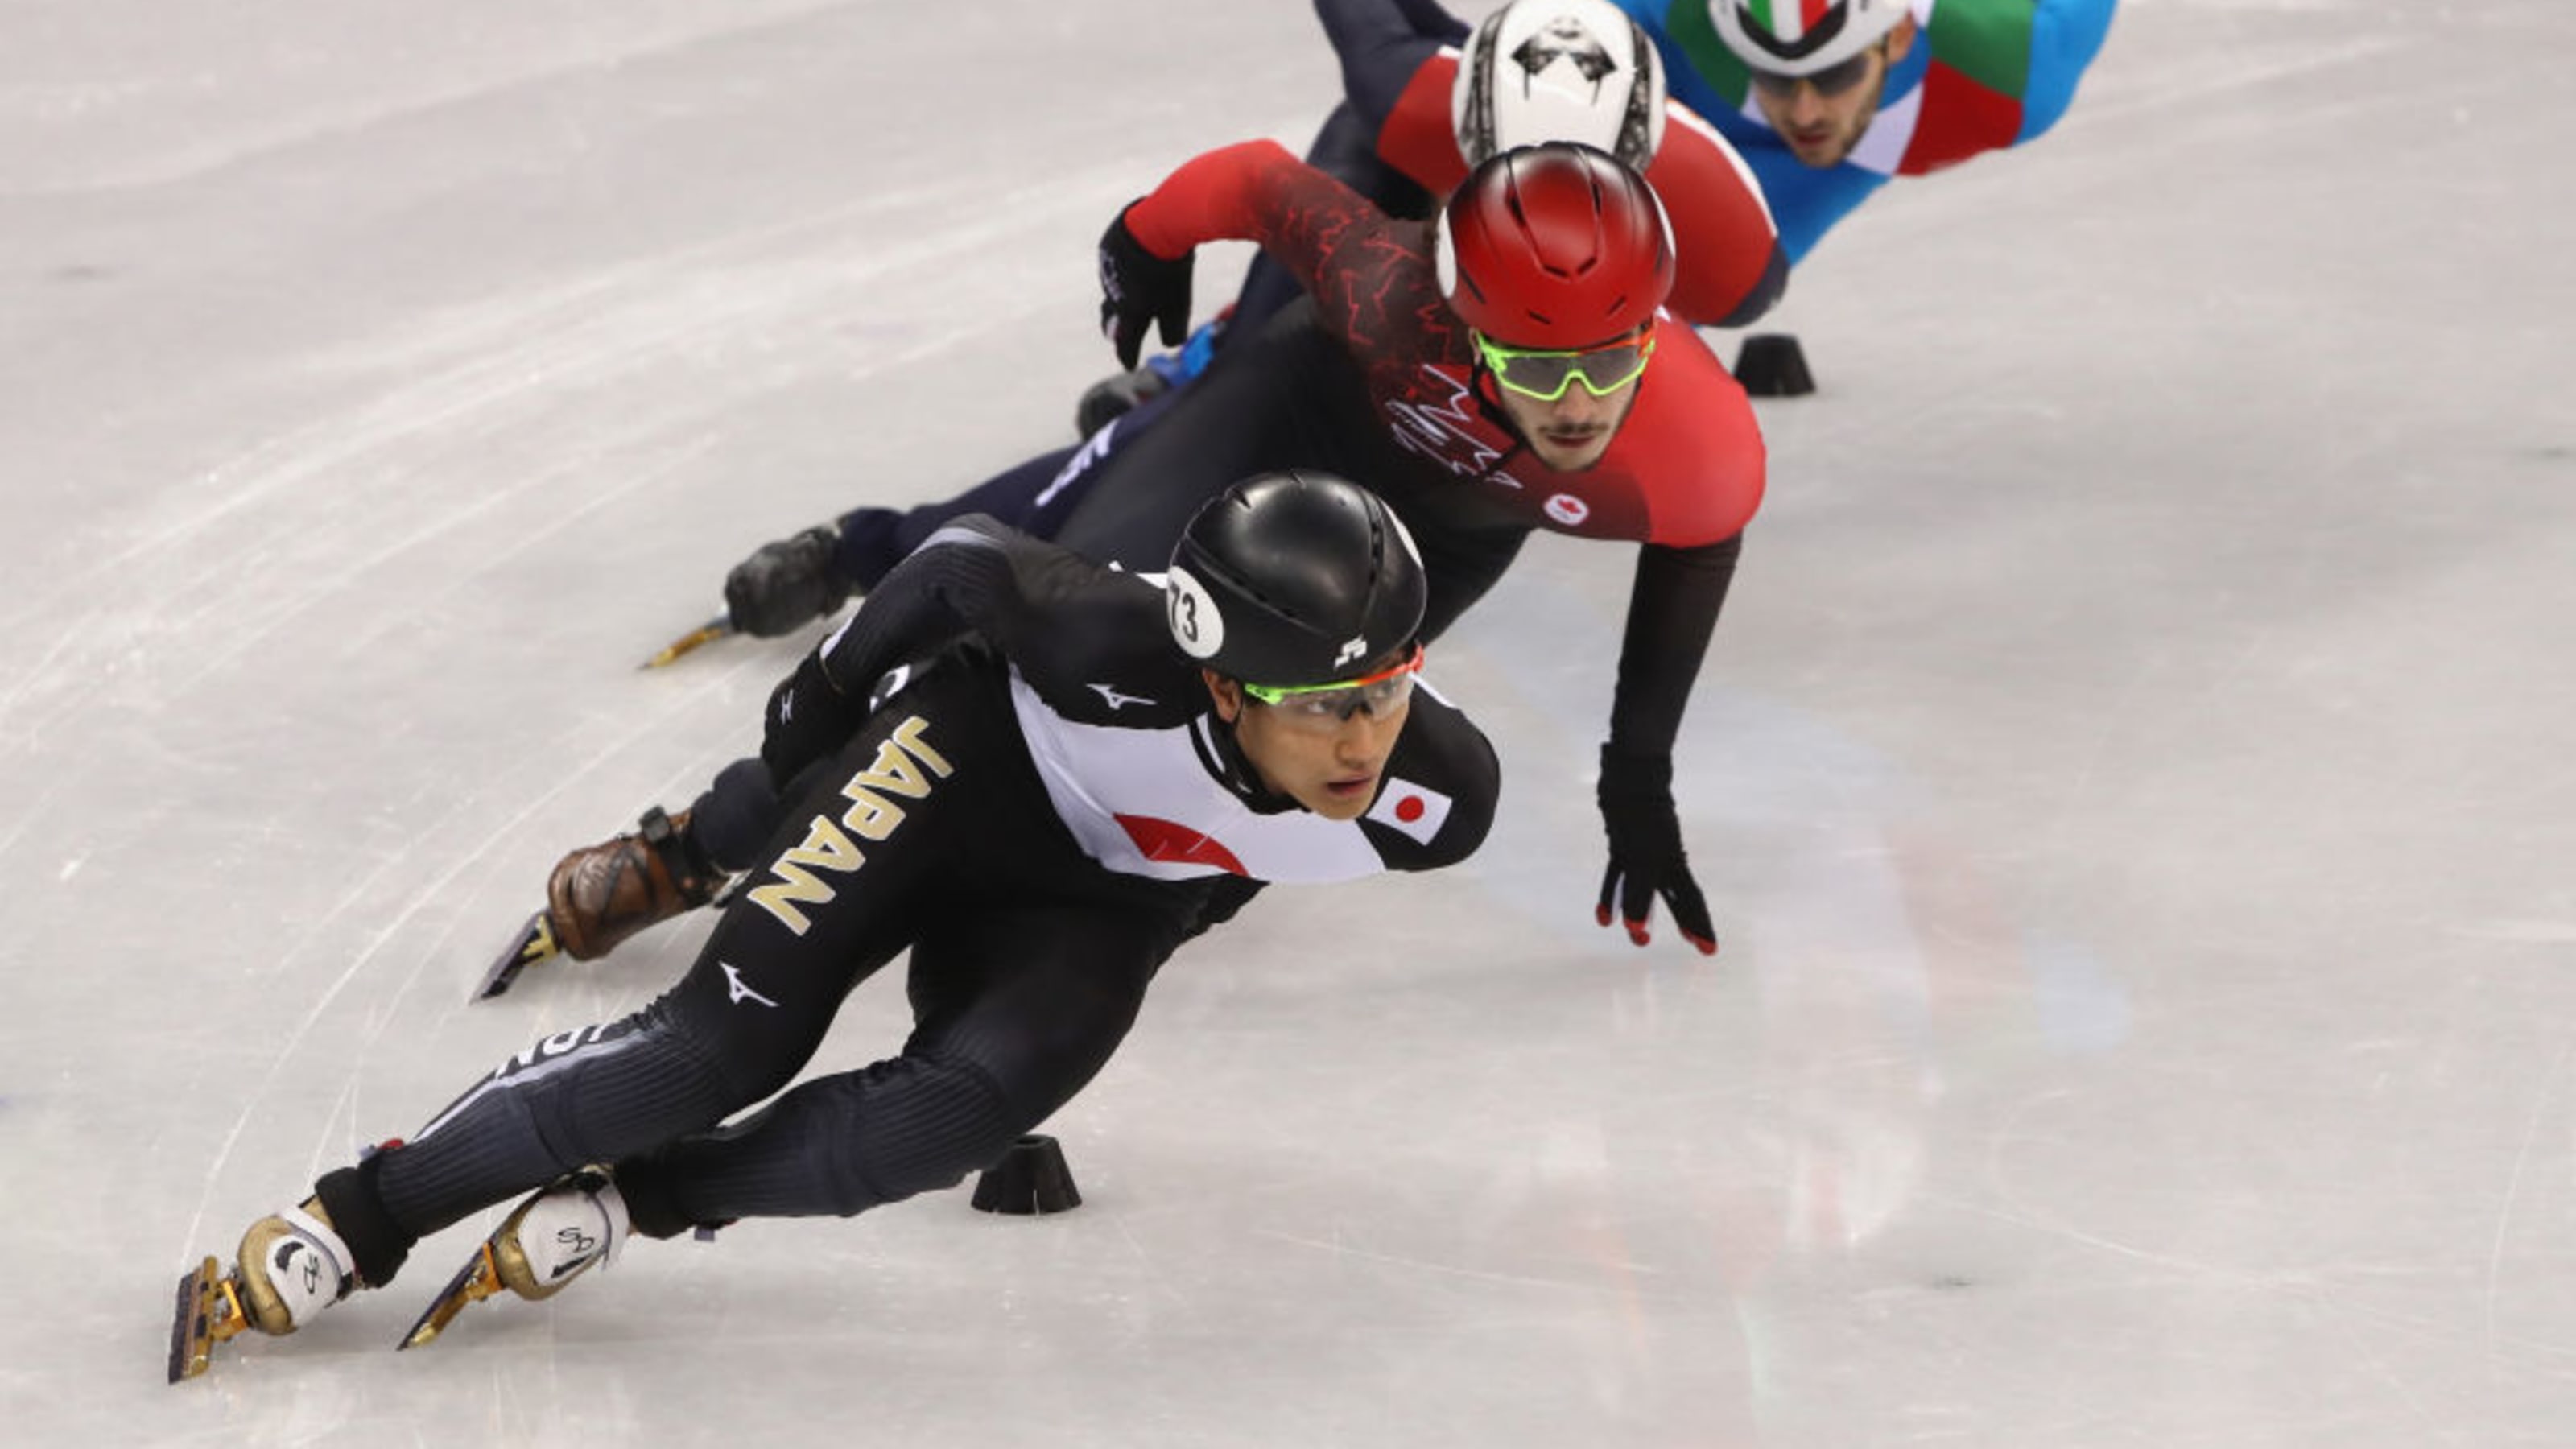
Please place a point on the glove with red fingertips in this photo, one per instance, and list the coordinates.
(1646, 856)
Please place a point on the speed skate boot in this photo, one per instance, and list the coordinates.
(291, 1266)
(1119, 394)
(545, 1243)
(600, 895)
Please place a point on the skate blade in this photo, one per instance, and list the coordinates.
(534, 943)
(706, 633)
(477, 1280)
(209, 1311)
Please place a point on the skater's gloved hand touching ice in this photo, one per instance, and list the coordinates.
(1137, 288)
(785, 584)
(1646, 857)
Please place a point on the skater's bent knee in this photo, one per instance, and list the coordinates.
(950, 1118)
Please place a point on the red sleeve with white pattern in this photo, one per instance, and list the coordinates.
(1256, 191)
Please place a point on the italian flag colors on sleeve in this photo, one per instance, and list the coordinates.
(1973, 83)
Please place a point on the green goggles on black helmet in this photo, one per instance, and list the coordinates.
(1326, 706)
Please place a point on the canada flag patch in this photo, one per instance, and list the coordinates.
(1416, 810)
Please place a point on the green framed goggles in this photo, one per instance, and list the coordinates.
(1327, 705)
(1546, 374)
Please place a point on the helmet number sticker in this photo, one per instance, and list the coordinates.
(1196, 625)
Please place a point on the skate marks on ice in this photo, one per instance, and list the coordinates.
(353, 68)
(571, 342)
(331, 504)
(336, 505)
(455, 846)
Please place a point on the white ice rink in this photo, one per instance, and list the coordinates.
(2133, 776)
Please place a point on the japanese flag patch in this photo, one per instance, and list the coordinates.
(1416, 810)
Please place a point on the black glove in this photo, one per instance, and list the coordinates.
(1646, 857)
(786, 583)
(809, 717)
(1137, 287)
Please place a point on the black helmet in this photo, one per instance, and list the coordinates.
(1294, 578)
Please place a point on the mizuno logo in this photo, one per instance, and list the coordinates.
(1354, 649)
(1117, 700)
(740, 992)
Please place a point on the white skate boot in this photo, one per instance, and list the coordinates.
(557, 1235)
(291, 1266)
(545, 1243)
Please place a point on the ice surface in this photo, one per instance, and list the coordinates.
(2133, 776)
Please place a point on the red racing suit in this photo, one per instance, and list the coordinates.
(1683, 476)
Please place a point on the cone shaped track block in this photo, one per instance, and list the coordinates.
(1030, 1178)
(1772, 364)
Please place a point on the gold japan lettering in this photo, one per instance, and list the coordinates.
(905, 766)
(871, 815)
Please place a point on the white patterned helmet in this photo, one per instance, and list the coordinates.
(1559, 70)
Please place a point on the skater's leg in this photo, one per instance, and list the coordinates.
(1010, 1036)
(1277, 400)
(1034, 497)
(874, 540)
(601, 896)
(1020, 1009)
(741, 809)
(809, 925)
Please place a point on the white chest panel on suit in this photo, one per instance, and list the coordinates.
(1143, 802)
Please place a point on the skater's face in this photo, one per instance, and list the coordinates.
(1327, 754)
(1822, 116)
(1570, 431)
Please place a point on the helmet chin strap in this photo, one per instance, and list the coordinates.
(1234, 769)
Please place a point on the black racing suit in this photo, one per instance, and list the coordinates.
(1040, 812)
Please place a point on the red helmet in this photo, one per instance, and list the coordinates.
(1553, 246)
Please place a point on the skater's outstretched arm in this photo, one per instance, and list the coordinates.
(1672, 611)
(973, 576)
